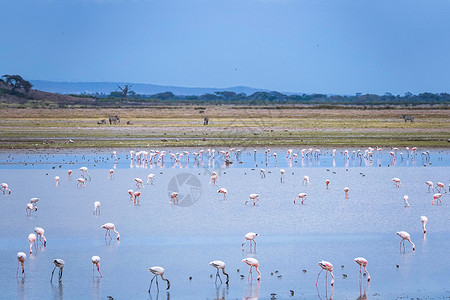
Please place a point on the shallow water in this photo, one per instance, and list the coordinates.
(184, 238)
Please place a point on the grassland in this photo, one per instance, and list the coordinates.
(229, 126)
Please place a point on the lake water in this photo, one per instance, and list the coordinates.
(203, 227)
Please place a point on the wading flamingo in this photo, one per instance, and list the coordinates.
(250, 237)
(439, 186)
(59, 263)
(69, 172)
(405, 236)
(405, 198)
(214, 177)
(21, 258)
(96, 208)
(328, 267)
(346, 189)
(139, 183)
(173, 196)
(437, 197)
(31, 239)
(96, 263)
(327, 182)
(130, 192)
(81, 182)
(84, 171)
(397, 182)
(219, 265)
(263, 173)
(136, 197)
(111, 174)
(282, 171)
(34, 200)
(30, 208)
(252, 197)
(157, 271)
(362, 262)
(150, 178)
(57, 180)
(224, 192)
(4, 188)
(301, 196)
(40, 234)
(115, 156)
(252, 262)
(306, 180)
(109, 227)
(430, 185)
(424, 221)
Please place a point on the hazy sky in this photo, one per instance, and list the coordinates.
(326, 46)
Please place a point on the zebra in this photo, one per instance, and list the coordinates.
(101, 122)
(408, 118)
(205, 121)
(114, 119)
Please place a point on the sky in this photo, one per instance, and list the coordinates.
(314, 46)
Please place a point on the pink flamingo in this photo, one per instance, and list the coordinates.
(156, 270)
(405, 199)
(346, 189)
(139, 183)
(130, 192)
(111, 174)
(57, 180)
(252, 197)
(21, 258)
(150, 178)
(224, 192)
(362, 262)
(334, 153)
(263, 173)
(405, 236)
(81, 182)
(437, 198)
(4, 188)
(397, 182)
(252, 262)
(115, 156)
(439, 186)
(69, 172)
(136, 197)
(327, 182)
(282, 171)
(306, 180)
(96, 263)
(30, 208)
(84, 171)
(250, 237)
(328, 267)
(214, 177)
(424, 221)
(173, 196)
(289, 153)
(109, 227)
(40, 234)
(96, 208)
(59, 263)
(31, 239)
(301, 196)
(430, 185)
(392, 154)
(219, 265)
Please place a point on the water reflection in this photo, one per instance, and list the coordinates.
(326, 292)
(253, 291)
(58, 290)
(221, 292)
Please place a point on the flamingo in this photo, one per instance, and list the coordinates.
(306, 180)
(214, 177)
(252, 262)
(111, 174)
(173, 196)
(328, 267)
(439, 186)
(30, 207)
(150, 178)
(254, 197)
(392, 154)
(327, 182)
(405, 236)
(4, 188)
(424, 221)
(250, 237)
(282, 173)
(430, 185)
(136, 197)
(301, 196)
(96, 263)
(362, 262)
(21, 258)
(263, 173)
(405, 198)
(289, 153)
(158, 271)
(334, 153)
(84, 171)
(397, 182)
(31, 239)
(109, 227)
(59, 263)
(40, 234)
(437, 197)
(34, 200)
(114, 153)
(81, 182)
(139, 182)
(69, 172)
(96, 208)
(219, 265)
(57, 180)
(130, 192)
(346, 189)
(224, 192)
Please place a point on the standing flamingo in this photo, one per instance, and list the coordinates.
(405, 236)
(59, 263)
(96, 263)
(301, 196)
(306, 180)
(439, 186)
(424, 221)
(69, 172)
(250, 237)
(4, 188)
(31, 239)
(57, 180)
(40, 234)
(34, 200)
(346, 189)
(115, 156)
(405, 198)
(362, 262)
(158, 271)
(150, 178)
(397, 182)
(81, 182)
(130, 192)
(96, 208)
(263, 173)
(214, 177)
(282, 171)
(224, 192)
(84, 171)
(327, 182)
(173, 196)
(437, 197)
(328, 267)
(430, 185)
(252, 262)
(254, 197)
(111, 174)
(136, 197)
(219, 265)
(30, 208)
(21, 258)
(139, 183)
(109, 227)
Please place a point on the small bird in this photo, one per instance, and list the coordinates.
(252, 262)
(250, 237)
(59, 263)
(218, 264)
(158, 271)
(109, 227)
(328, 267)
(96, 263)
(21, 258)
(405, 236)
(362, 262)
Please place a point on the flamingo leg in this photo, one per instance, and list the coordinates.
(318, 277)
(151, 281)
(243, 245)
(17, 272)
(217, 275)
(60, 274)
(254, 247)
(250, 274)
(51, 279)
(157, 285)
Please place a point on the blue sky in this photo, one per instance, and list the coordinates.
(324, 46)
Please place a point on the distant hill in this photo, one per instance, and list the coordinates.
(138, 88)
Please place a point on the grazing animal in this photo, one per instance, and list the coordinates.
(205, 121)
(408, 118)
(101, 122)
(114, 119)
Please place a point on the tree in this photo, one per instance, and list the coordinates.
(17, 82)
(124, 90)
